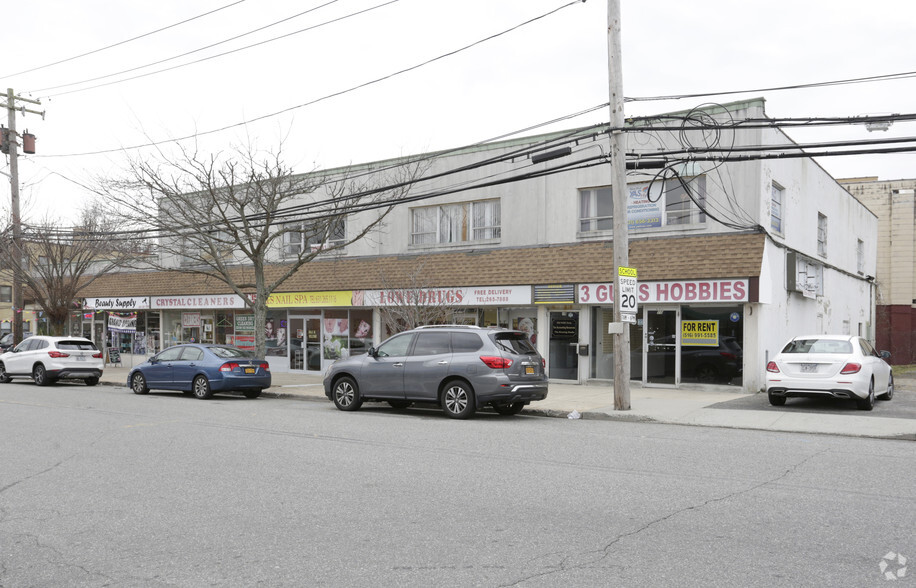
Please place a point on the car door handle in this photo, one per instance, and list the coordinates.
(399, 364)
(443, 362)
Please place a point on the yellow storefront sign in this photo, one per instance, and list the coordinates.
(309, 299)
(700, 333)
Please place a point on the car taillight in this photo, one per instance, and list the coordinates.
(265, 366)
(97, 355)
(58, 354)
(772, 367)
(496, 362)
(851, 368)
(543, 363)
(228, 367)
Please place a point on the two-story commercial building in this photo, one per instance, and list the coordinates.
(735, 254)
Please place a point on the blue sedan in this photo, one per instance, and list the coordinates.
(203, 370)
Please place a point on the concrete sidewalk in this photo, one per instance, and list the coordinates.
(685, 406)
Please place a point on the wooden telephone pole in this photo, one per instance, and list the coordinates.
(620, 195)
(13, 144)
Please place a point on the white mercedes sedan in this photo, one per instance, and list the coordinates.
(830, 366)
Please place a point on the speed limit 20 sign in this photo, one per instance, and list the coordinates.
(627, 298)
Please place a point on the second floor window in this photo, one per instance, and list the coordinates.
(860, 256)
(6, 293)
(312, 236)
(776, 208)
(455, 223)
(648, 205)
(821, 235)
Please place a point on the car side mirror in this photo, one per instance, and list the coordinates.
(373, 352)
(153, 360)
(885, 354)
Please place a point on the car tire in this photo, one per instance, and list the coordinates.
(201, 388)
(40, 375)
(4, 378)
(776, 400)
(399, 404)
(886, 396)
(458, 399)
(868, 402)
(346, 394)
(252, 393)
(138, 384)
(92, 381)
(706, 374)
(509, 409)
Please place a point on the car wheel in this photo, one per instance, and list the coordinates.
(776, 400)
(399, 404)
(40, 375)
(4, 378)
(886, 396)
(252, 393)
(458, 400)
(201, 388)
(509, 409)
(92, 381)
(346, 394)
(706, 374)
(868, 402)
(138, 384)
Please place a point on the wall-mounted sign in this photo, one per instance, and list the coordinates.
(244, 322)
(700, 333)
(189, 302)
(119, 303)
(476, 296)
(555, 294)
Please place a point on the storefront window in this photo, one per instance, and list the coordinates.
(336, 331)
(276, 333)
(602, 344)
(360, 331)
(712, 340)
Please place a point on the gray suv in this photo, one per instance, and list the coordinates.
(458, 367)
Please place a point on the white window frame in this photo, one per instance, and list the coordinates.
(822, 234)
(673, 211)
(472, 221)
(294, 241)
(860, 256)
(777, 198)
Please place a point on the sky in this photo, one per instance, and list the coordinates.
(327, 93)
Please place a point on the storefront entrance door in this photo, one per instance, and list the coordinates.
(660, 351)
(305, 343)
(564, 346)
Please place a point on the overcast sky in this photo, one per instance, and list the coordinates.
(549, 68)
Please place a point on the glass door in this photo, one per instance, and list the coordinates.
(661, 346)
(564, 345)
(305, 343)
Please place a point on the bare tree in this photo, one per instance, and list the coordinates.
(245, 219)
(59, 262)
(411, 303)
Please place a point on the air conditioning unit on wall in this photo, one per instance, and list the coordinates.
(804, 275)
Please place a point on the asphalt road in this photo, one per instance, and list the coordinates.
(901, 406)
(99, 487)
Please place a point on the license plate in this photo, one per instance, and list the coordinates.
(529, 369)
(809, 368)
(80, 358)
(250, 370)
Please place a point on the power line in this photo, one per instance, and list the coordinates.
(866, 79)
(119, 43)
(237, 50)
(326, 97)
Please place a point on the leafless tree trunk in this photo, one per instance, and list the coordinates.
(60, 262)
(245, 219)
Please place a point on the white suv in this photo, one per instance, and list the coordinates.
(46, 359)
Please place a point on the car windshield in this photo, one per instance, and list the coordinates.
(77, 345)
(818, 346)
(517, 343)
(228, 352)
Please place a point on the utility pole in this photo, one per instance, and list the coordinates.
(620, 194)
(11, 99)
